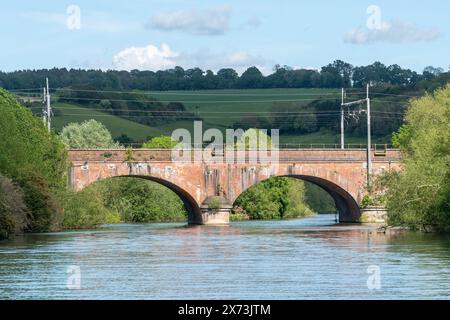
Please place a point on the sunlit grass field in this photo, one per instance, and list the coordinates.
(218, 108)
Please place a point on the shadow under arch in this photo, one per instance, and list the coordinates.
(348, 208)
(189, 202)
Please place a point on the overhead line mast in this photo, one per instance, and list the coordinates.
(369, 138)
(46, 107)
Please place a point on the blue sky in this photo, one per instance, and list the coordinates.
(159, 34)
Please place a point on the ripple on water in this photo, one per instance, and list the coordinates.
(311, 258)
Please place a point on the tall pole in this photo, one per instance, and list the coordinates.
(49, 108)
(342, 121)
(44, 106)
(369, 143)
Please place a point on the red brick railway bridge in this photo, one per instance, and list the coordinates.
(342, 173)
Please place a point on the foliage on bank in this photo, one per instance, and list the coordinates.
(276, 198)
(33, 164)
(138, 200)
(86, 209)
(419, 196)
(13, 210)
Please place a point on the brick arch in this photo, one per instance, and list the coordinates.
(348, 208)
(194, 215)
(346, 204)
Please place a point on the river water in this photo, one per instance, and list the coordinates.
(313, 258)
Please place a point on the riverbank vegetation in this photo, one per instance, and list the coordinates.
(32, 168)
(122, 200)
(419, 196)
(275, 198)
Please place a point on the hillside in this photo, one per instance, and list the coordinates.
(224, 109)
(66, 113)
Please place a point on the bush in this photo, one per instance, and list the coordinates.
(276, 198)
(139, 200)
(85, 209)
(419, 195)
(44, 212)
(13, 211)
(215, 203)
(35, 159)
(238, 214)
(367, 201)
(162, 142)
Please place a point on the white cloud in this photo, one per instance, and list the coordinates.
(239, 60)
(212, 21)
(145, 58)
(395, 31)
(153, 58)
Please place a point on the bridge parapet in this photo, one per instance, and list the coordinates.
(290, 155)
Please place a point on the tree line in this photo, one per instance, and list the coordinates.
(334, 75)
(419, 195)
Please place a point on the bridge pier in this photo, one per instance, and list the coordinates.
(215, 211)
(373, 215)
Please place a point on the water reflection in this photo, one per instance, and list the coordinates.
(312, 258)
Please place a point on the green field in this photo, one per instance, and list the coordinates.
(222, 108)
(218, 108)
(67, 113)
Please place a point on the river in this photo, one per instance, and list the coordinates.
(312, 258)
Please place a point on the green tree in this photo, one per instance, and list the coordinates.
(275, 198)
(420, 194)
(88, 134)
(227, 78)
(161, 142)
(91, 213)
(33, 158)
(252, 78)
(13, 210)
(139, 200)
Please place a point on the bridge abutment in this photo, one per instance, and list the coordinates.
(373, 215)
(215, 211)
